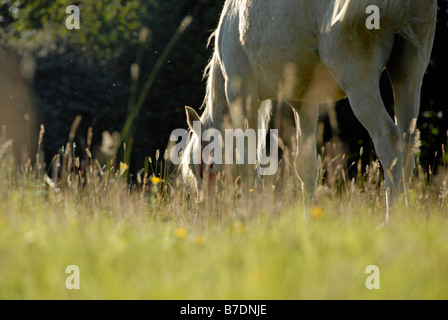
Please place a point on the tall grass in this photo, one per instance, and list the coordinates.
(152, 240)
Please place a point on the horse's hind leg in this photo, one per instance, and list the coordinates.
(406, 70)
(359, 78)
(365, 100)
(407, 104)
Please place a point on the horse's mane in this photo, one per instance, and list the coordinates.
(208, 99)
(215, 101)
(213, 105)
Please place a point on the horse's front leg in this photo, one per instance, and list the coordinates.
(306, 160)
(244, 116)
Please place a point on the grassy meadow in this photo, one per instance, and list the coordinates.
(153, 240)
(145, 235)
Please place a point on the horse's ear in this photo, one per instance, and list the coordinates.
(192, 116)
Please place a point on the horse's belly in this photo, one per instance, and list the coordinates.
(280, 44)
(306, 81)
(320, 88)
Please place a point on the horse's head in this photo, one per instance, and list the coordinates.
(195, 166)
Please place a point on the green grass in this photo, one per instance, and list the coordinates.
(133, 245)
(153, 240)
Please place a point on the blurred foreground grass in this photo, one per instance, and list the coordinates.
(132, 243)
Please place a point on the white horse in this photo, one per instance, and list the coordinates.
(306, 52)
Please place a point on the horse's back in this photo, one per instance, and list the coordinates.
(264, 37)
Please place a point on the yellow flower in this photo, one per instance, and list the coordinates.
(123, 168)
(256, 276)
(74, 222)
(198, 240)
(181, 233)
(156, 180)
(239, 228)
(251, 190)
(317, 212)
(3, 223)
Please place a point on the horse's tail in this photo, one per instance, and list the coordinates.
(395, 15)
